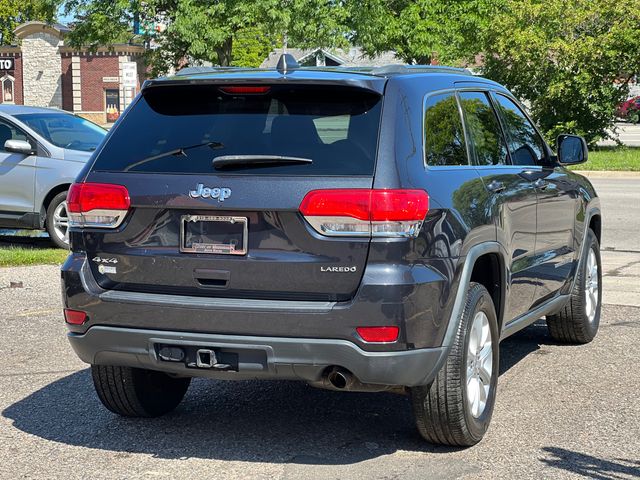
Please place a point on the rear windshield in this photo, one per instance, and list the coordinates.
(335, 127)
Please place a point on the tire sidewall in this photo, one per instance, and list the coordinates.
(478, 426)
(591, 245)
(57, 200)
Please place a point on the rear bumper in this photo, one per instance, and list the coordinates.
(271, 339)
(258, 357)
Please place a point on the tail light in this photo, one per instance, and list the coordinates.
(378, 334)
(245, 90)
(74, 317)
(99, 205)
(362, 212)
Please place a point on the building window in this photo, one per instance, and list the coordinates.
(8, 83)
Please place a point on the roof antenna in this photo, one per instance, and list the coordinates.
(286, 63)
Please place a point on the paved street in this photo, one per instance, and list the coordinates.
(620, 199)
(562, 411)
(628, 134)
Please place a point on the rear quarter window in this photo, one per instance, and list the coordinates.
(334, 126)
(444, 141)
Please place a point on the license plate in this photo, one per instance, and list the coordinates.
(214, 234)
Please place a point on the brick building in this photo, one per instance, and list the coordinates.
(42, 71)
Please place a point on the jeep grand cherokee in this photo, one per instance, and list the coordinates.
(376, 229)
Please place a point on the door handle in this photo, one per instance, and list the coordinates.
(211, 278)
(495, 186)
(541, 184)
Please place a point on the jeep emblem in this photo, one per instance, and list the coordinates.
(205, 192)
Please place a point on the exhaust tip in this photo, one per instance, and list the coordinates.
(339, 379)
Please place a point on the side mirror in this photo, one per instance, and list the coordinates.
(19, 146)
(572, 149)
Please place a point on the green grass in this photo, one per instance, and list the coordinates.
(612, 158)
(16, 256)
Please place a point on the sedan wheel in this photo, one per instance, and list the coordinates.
(57, 222)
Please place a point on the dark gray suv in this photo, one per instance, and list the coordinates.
(375, 229)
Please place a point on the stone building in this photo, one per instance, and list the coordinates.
(42, 71)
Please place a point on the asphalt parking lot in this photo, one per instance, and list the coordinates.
(562, 411)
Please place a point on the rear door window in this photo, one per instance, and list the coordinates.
(484, 132)
(334, 126)
(525, 144)
(444, 142)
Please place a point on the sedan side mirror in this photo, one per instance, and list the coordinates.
(572, 149)
(19, 146)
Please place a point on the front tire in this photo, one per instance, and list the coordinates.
(579, 319)
(456, 408)
(135, 392)
(57, 221)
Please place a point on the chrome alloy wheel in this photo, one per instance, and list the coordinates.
(479, 364)
(591, 286)
(61, 222)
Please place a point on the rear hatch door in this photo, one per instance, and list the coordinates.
(216, 174)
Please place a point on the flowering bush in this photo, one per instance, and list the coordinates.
(630, 110)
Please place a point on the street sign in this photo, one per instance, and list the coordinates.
(129, 74)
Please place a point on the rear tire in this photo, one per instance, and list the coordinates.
(579, 319)
(57, 221)
(135, 392)
(456, 408)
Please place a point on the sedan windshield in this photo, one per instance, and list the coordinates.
(65, 130)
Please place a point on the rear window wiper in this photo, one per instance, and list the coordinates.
(176, 152)
(249, 161)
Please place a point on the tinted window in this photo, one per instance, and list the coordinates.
(64, 130)
(483, 129)
(525, 145)
(335, 127)
(9, 132)
(443, 133)
(332, 129)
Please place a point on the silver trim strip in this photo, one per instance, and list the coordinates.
(208, 302)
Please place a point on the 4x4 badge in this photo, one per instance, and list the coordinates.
(205, 192)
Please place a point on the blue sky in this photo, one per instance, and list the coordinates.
(62, 18)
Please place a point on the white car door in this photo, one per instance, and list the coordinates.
(17, 174)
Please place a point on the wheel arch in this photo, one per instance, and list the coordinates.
(489, 271)
(49, 197)
(593, 221)
(479, 257)
(595, 224)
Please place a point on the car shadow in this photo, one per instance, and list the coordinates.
(34, 239)
(276, 422)
(589, 466)
(523, 343)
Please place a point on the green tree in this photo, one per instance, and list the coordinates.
(571, 61)
(418, 29)
(251, 46)
(15, 12)
(204, 30)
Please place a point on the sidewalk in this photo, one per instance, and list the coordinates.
(607, 173)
